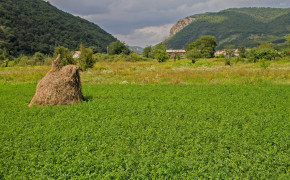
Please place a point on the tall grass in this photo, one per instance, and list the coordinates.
(204, 71)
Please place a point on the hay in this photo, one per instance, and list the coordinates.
(60, 86)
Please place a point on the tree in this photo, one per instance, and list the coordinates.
(147, 52)
(86, 58)
(161, 56)
(205, 45)
(157, 48)
(95, 49)
(39, 57)
(242, 51)
(118, 47)
(262, 54)
(193, 55)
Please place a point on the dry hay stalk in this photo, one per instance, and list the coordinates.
(60, 86)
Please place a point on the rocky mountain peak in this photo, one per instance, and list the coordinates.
(182, 23)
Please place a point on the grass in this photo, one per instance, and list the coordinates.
(148, 132)
(204, 71)
(149, 120)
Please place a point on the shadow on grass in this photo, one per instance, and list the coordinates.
(88, 98)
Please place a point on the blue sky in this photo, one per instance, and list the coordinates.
(148, 22)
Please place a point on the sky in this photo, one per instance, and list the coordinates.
(148, 22)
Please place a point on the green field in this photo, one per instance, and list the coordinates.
(147, 132)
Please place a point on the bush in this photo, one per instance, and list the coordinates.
(193, 55)
(86, 59)
(264, 64)
(254, 55)
(285, 53)
(147, 52)
(227, 61)
(118, 47)
(25, 61)
(161, 56)
(239, 59)
(134, 57)
(38, 58)
(65, 54)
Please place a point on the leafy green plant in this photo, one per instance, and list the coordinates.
(65, 54)
(264, 64)
(147, 132)
(227, 61)
(161, 56)
(118, 47)
(205, 45)
(39, 58)
(86, 58)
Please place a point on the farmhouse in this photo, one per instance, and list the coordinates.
(176, 52)
(76, 54)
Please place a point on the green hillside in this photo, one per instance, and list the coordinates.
(29, 26)
(247, 27)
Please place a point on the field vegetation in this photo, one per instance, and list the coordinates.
(147, 132)
(204, 71)
(150, 117)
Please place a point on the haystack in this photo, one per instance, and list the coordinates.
(60, 86)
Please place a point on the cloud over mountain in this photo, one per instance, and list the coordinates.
(128, 18)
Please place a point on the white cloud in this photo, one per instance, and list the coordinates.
(150, 35)
(142, 21)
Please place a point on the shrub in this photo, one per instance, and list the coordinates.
(264, 64)
(118, 47)
(242, 51)
(161, 56)
(227, 61)
(22, 60)
(254, 55)
(86, 58)
(38, 58)
(134, 57)
(193, 55)
(65, 54)
(147, 52)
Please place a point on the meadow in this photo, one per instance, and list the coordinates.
(222, 122)
(204, 71)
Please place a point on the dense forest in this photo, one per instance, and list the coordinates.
(247, 27)
(29, 26)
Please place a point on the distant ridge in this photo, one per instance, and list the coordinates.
(247, 27)
(29, 26)
(136, 49)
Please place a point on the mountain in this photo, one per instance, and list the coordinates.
(247, 27)
(29, 26)
(136, 49)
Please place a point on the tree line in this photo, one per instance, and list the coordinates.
(204, 47)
